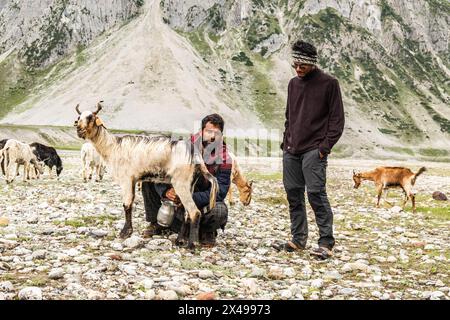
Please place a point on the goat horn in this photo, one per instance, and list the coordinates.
(99, 107)
(77, 109)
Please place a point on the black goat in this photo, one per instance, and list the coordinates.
(48, 155)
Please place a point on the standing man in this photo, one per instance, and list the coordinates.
(314, 123)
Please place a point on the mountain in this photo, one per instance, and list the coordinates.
(162, 65)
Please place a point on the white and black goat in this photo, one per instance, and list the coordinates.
(16, 153)
(158, 159)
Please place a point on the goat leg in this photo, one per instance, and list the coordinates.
(194, 230)
(183, 234)
(128, 198)
(127, 228)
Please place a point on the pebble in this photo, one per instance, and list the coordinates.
(437, 295)
(317, 283)
(354, 266)
(39, 254)
(56, 273)
(149, 294)
(6, 286)
(4, 222)
(167, 295)
(205, 274)
(99, 233)
(133, 242)
(159, 244)
(30, 293)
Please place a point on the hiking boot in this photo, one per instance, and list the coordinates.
(288, 246)
(153, 229)
(208, 239)
(322, 253)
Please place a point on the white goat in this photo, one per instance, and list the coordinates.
(91, 161)
(16, 153)
(158, 159)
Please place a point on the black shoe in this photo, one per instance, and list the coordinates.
(153, 229)
(208, 239)
(322, 253)
(288, 246)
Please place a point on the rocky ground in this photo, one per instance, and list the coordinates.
(59, 240)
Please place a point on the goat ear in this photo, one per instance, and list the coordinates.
(98, 122)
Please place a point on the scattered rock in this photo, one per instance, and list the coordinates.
(167, 295)
(437, 295)
(286, 294)
(355, 266)
(437, 195)
(159, 244)
(39, 254)
(317, 283)
(99, 233)
(6, 286)
(205, 274)
(391, 259)
(4, 222)
(276, 273)
(150, 294)
(133, 242)
(30, 293)
(206, 296)
(251, 284)
(396, 209)
(56, 273)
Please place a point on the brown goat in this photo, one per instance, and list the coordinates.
(391, 177)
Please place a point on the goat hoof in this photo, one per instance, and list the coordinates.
(180, 242)
(191, 246)
(126, 233)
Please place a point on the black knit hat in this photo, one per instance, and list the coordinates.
(304, 52)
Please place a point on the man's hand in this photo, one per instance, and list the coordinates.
(321, 155)
(171, 195)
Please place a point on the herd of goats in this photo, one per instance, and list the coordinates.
(133, 159)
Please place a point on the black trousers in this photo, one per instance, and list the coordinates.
(214, 219)
(308, 171)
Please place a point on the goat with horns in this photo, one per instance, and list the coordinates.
(159, 159)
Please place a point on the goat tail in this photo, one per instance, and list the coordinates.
(6, 153)
(208, 176)
(421, 170)
(2, 160)
(214, 185)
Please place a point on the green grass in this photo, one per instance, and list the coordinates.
(400, 150)
(439, 213)
(38, 281)
(430, 152)
(88, 221)
(274, 200)
(264, 176)
(198, 41)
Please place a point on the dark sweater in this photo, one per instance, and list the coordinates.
(314, 113)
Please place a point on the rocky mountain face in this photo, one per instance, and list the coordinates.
(231, 56)
(45, 31)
